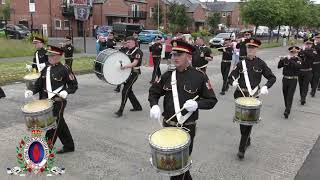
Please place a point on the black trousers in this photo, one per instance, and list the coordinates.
(315, 78)
(244, 129)
(62, 131)
(225, 69)
(156, 68)
(2, 94)
(304, 80)
(69, 62)
(192, 132)
(128, 93)
(288, 90)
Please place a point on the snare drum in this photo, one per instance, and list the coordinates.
(247, 110)
(170, 151)
(31, 79)
(39, 113)
(107, 66)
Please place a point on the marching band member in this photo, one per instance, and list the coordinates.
(187, 82)
(291, 66)
(242, 45)
(56, 82)
(68, 49)
(156, 50)
(40, 58)
(226, 63)
(202, 55)
(247, 75)
(135, 55)
(316, 65)
(102, 43)
(307, 55)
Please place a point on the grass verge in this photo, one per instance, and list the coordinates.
(15, 48)
(15, 71)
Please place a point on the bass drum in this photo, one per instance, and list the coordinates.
(107, 66)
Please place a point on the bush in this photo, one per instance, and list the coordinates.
(34, 34)
(205, 32)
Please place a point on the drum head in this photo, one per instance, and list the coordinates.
(112, 71)
(169, 137)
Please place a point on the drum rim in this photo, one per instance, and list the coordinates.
(39, 112)
(248, 107)
(259, 105)
(31, 79)
(173, 148)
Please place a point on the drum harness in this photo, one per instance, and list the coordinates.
(246, 79)
(135, 49)
(40, 68)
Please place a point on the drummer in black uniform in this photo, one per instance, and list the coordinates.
(316, 65)
(60, 83)
(68, 51)
(305, 76)
(156, 50)
(135, 55)
(190, 83)
(256, 68)
(242, 45)
(291, 66)
(201, 55)
(40, 59)
(226, 63)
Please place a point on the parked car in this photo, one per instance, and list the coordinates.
(14, 31)
(103, 30)
(218, 40)
(24, 27)
(147, 36)
(123, 30)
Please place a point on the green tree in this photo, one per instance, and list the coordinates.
(157, 11)
(5, 11)
(178, 17)
(214, 20)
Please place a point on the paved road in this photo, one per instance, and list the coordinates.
(110, 148)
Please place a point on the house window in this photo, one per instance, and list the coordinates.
(3, 1)
(57, 23)
(135, 9)
(66, 24)
(224, 14)
(151, 12)
(229, 14)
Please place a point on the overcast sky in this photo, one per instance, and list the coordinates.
(317, 1)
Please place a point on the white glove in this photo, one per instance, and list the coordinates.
(235, 83)
(63, 94)
(28, 93)
(155, 112)
(41, 66)
(28, 67)
(190, 105)
(264, 90)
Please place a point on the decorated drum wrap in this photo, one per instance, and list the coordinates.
(39, 113)
(247, 110)
(170, 150)
(31, 79)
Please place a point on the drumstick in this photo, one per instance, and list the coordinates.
(180, 110)
(239, 88)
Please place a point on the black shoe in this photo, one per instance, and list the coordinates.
(240, 155)
(117, 89)
(303, 102)
(65, 150)
(286, 115)
(140, 109)
(118, 114)
(313, 93)
(222, 93)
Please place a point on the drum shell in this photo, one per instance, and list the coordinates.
(30, 83)
(247, 113)
(42, 119)
(170, 161)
